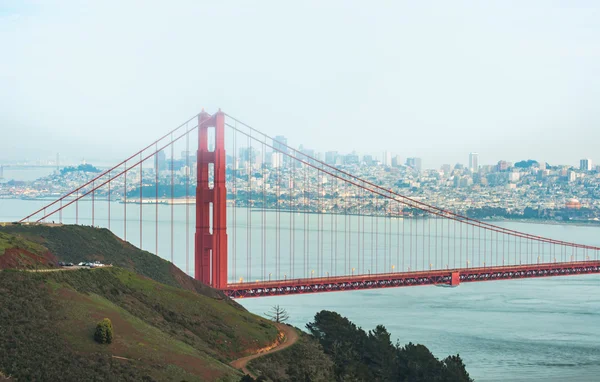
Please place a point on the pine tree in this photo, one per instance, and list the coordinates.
(278, 314)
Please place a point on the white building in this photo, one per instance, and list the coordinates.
(585, 165)
(474, 162)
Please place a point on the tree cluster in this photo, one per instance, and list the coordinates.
(104, 332)
(371, 356)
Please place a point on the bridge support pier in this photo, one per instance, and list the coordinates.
(455, 280)
(210, 253)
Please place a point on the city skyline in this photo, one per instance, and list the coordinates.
(392, 156)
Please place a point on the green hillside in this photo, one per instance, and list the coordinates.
(176, 329)
(73, 243)
(165, 333)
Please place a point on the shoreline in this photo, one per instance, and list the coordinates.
(192, 201)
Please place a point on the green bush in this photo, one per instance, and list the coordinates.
(104, 332)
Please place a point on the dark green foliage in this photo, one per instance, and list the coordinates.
(247, 378)
(361, 356)
(527, 163)
(305, 361)
(104, 332)
(81, 167)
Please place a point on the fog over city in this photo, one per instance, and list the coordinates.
(510, 80)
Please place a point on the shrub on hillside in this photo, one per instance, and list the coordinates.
(104, 332)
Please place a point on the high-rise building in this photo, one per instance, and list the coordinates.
(396, 161)
(248, 155)
(414, 163)
(387, 158)
(474, 162)
(331, 157)
(351, 158)
(161, 161)
(368, 160)
(585, 165)
(502, 166)
(446, 169)
(276, 159)
(280, 143)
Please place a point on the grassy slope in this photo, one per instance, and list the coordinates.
(170, 332)
(72, 243)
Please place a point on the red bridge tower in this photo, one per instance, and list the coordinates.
(211, 244)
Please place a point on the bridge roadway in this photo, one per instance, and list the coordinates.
(450, 277)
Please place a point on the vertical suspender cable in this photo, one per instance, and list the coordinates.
(93, 204)
(331, 217)
(76, 209)
(423, 238)
(264, 215)
(141, 197)
(187, 200)
(248, 158)
(293, 211)
(125, 203)
(172, 199)
(108, 198)
(156, 170)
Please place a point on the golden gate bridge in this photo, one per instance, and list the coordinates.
(293, 224)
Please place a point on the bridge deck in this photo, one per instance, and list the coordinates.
(399, 279)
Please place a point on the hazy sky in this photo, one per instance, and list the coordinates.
(508, 79)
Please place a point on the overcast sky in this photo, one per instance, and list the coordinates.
(508, 79)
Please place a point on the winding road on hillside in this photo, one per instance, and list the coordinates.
(291, 337)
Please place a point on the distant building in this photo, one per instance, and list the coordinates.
(502, 166)
(396, 161)
(447, 169)
(514, 177)
(571, 176)
(276, 159)
(474, 162)
(306, 151)
(280, 143)
(331, 157)
(573, 204)
(368, 160)
(387, 158)
(414, 163)
(585, 165)
(351, 158)
(161, 161)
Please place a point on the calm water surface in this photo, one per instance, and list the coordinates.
(521, 330)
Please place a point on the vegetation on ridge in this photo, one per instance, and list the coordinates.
(338, 350)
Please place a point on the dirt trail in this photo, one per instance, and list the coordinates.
(291, 336)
